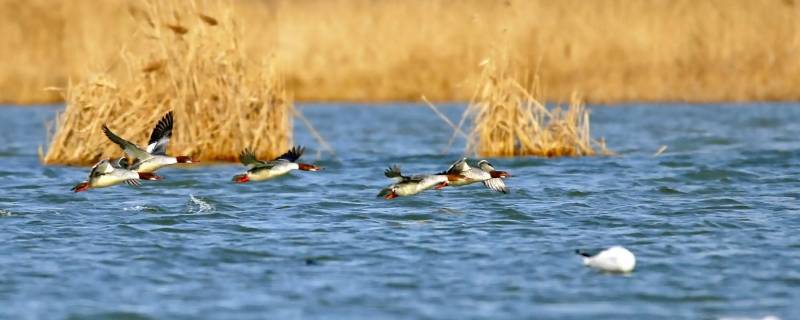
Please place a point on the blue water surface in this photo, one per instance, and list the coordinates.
(714, 222)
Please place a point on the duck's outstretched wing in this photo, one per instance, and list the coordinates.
(248, 158)
(292, 155)
(127, 146)
(395, 174)
(160, 136)
(457, 167)
(496, 184)
(121, 163)
(485, 166)
(100, 168)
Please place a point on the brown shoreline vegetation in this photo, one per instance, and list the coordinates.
(510, 120)
(362, 50)
(190, 63)
(505, 118)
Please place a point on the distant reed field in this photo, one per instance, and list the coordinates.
(362, 50)
(188, 60)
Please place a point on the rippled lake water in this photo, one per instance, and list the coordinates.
(714, 222)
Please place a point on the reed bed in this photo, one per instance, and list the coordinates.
(364, 50)
(189, 60)
(510, 120)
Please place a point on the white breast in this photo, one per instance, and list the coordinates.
(155, 163)
(475, 175)
(407, 189)
(275, 171)
(431, 181)
(115, 177)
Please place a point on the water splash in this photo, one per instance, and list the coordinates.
(140, 208)
(197, 205)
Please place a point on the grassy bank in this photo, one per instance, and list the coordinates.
(610, 50)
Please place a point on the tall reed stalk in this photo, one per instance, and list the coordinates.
(189, 60)
(510, 120)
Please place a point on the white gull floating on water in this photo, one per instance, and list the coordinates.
(614, 259)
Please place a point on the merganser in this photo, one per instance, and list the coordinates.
(461, 174)
(258, 170)
(106, 174)
(406, 186)
(155, 155)
(614, 259)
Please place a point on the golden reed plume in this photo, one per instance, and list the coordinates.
(189, 60)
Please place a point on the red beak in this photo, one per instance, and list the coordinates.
(148, 176)
(308, 167)
(499, 174)
(83, 186)
(186, 159)
(391, 195)
(242, 178)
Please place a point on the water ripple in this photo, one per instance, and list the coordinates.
(713, 223)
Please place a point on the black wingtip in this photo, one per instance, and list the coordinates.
(170, 118)
(298, 151)
(247, 156)
(163, 128)
(393, 171)
(110, 134)
(293, 154)
(244, 152)
(114, 137)
(167, 118)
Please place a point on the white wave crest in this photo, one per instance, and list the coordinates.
(197, 205)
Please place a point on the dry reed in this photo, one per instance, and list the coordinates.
(610, 50)
(509, 120)
(190, 61)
